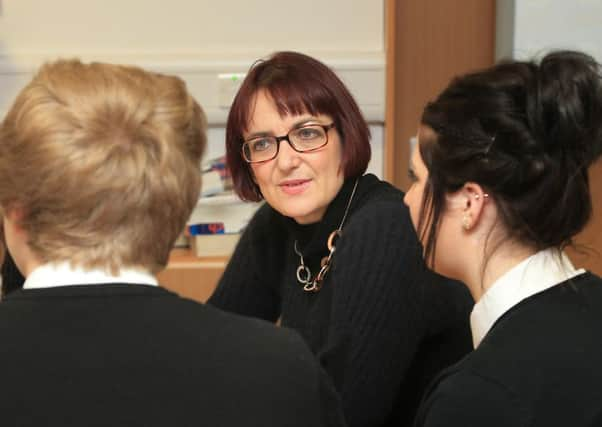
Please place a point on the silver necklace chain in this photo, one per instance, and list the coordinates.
(303, 271)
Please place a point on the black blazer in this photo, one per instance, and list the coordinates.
(540, 365)
(137, 355)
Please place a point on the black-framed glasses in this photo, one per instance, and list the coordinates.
(302, 139)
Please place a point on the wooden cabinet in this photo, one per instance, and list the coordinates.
(428, 42)
(190, 276)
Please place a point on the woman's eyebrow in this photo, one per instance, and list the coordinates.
(295, 125)
(258, 134)
(304, 121)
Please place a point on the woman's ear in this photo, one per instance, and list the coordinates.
(473, 199)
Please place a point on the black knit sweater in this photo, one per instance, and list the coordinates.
(382, 325)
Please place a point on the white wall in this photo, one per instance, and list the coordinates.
(190, 26)
(199, 39)
(531, 27)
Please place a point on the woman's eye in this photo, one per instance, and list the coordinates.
(412, 176)
(261, 144)
(309, 133)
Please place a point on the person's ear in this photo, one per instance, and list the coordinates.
(473, 199)
(13, 213)
(12, 217)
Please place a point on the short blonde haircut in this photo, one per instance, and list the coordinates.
(103, 162)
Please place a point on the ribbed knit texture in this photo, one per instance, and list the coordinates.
(382, 325)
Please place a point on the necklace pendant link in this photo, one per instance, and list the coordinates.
(303, 272)
(303, 275)
(322, 273)
(314, 286)
(310, 287)
(332, 239)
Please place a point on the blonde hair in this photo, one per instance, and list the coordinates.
(103, 162)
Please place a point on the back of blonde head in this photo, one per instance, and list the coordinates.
(103, 162)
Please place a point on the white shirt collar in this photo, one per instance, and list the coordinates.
(63, 274)
(533, 275)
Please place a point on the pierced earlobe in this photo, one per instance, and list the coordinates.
(466, 222)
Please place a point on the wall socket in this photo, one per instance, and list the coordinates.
(228, 84)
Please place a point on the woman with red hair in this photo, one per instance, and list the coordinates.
(379, 322)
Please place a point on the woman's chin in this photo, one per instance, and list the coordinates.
(303, 216)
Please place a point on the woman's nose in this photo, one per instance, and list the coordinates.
(287, 157)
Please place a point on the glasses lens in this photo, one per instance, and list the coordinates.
(308, 138)
(259, 149)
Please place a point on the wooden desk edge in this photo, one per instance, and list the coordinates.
(185, 258)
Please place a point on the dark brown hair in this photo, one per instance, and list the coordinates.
(298, 84)
(527, 133)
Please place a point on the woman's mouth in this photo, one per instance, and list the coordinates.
(294, 186)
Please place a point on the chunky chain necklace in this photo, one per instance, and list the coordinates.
(303, 271)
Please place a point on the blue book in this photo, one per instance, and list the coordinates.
(206, 228)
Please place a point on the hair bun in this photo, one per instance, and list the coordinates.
(568, 107)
